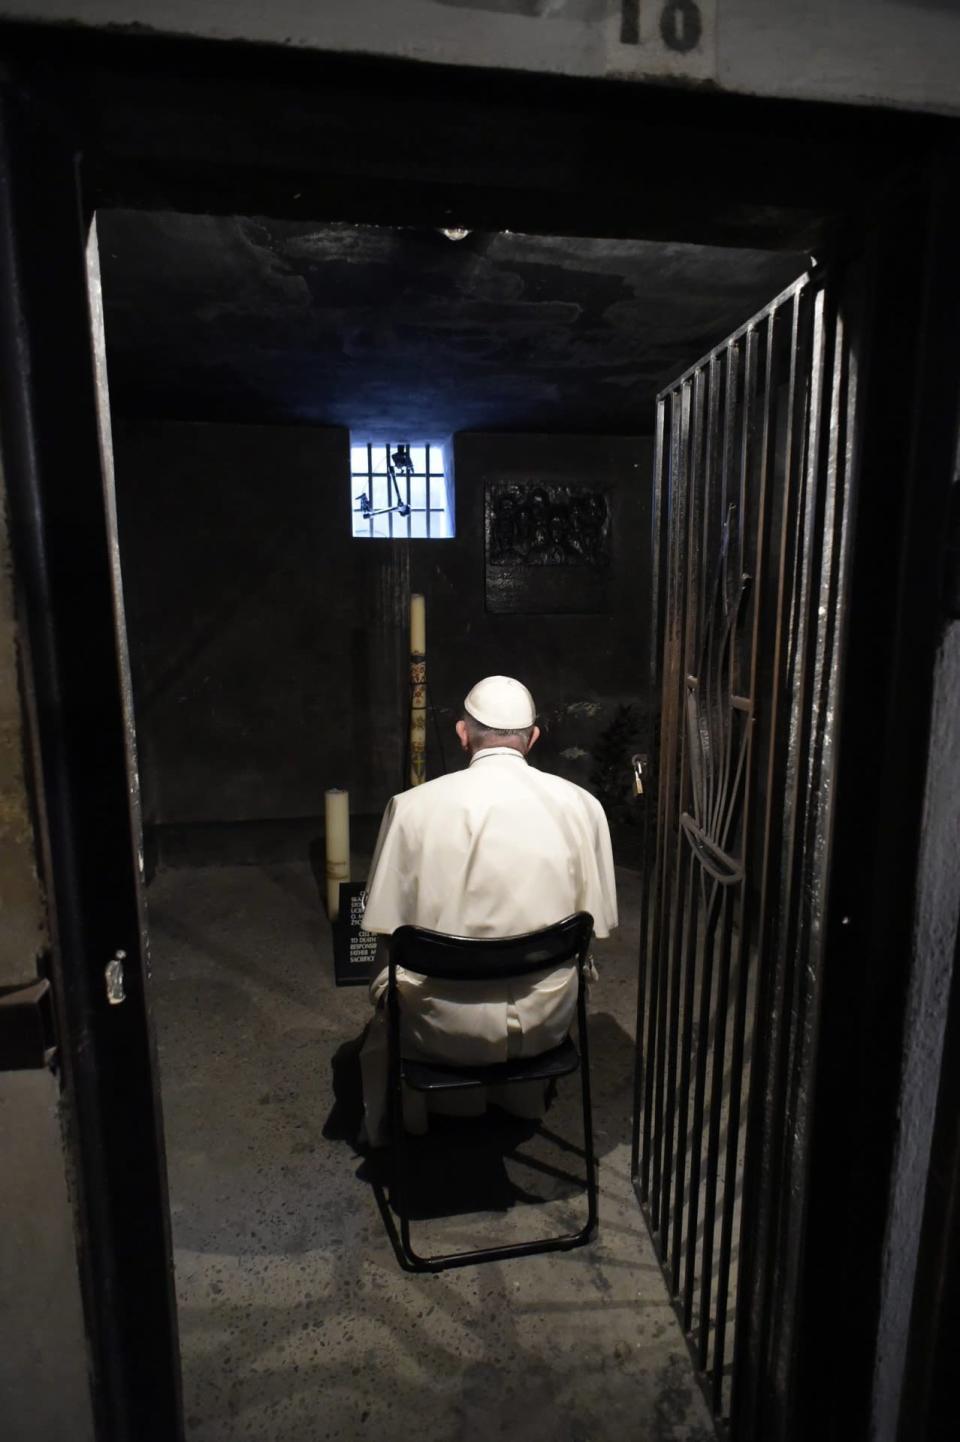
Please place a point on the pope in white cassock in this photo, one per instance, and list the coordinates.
(497, 849)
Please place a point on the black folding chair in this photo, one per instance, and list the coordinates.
(457, 958)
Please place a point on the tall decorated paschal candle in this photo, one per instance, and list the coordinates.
(418, 690)
(336, 816)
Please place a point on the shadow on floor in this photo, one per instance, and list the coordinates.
(473, 1166)
(343, 1123)
(463, 1166)
(459, 1166)
(297, 1324)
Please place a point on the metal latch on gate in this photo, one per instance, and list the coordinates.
(113, 973)
(27, 1040)
(638, 763)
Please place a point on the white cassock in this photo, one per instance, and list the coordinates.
(496, 850)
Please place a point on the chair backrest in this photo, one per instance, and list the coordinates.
(469, 958)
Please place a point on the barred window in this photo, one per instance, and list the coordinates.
(400, 491)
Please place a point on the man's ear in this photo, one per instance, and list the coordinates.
(464, 735)
(534, 738)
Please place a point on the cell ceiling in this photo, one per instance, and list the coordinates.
(405, 333)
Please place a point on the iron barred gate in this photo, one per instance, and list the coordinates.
(753, 475)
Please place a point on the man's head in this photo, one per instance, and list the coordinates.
(499, 711)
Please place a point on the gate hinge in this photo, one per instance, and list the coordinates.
(27, 1039)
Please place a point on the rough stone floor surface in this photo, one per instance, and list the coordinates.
(296, 1322)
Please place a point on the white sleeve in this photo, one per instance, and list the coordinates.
(387, 899)
(601, 898)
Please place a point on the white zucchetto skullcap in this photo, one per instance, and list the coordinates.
(501, 703)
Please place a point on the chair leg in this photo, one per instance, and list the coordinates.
(399, 1190)
(588, 1148)
(410, 1260)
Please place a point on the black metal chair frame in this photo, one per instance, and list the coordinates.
(457, 958)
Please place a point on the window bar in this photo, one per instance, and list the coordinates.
(393, 489)
(370, 485)
(407, 519)
(427, 451)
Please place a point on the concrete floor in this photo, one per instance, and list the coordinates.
(296, 1322)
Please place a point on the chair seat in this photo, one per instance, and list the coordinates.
(442, 1076)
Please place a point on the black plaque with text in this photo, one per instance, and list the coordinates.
(354, 949)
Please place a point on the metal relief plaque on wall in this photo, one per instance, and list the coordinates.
(547, 547)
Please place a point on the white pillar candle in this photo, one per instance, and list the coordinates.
(418, 625)
(418, 690)
(336, 818)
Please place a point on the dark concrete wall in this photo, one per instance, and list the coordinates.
(263, 642)
(268, 645)
(579, 667)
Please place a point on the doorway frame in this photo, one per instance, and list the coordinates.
(92, 120)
